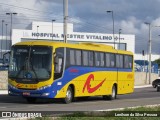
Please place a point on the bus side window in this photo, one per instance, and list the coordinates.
(102, 59)
(130, 61)
(97, 59)
(58, 62)
(112, 60)
(91, 55)
(107, 60)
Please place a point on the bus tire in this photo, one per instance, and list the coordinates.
(31, 100)
(112, 96)
(69, 96)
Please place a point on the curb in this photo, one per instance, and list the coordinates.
(143, 86)
(3, 92)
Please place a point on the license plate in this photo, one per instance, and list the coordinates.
(26, 93)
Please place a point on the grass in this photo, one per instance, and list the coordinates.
(111, 115)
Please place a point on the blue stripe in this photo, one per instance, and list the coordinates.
(67, 77)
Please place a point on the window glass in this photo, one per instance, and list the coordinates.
(101, 59)
(72, 57)
(90, 58)
(112, 59)
(97, 59)
(130, 61)
(78, 57)
(121, 61)
(35, 61)
(117, 61)
(126, 61)
(85, 58)
(108, 61)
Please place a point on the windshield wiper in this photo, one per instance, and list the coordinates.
(28, 67)
(34, 73)
(22, 68)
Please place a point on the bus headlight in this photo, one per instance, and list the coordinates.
(44, 87)
(45, 94)
(11, 86)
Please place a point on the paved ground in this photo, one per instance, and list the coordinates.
(140, 97)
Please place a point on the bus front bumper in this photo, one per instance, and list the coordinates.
(43, 93)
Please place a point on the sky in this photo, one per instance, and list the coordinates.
(91, 16)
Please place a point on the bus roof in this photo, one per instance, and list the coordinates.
(86, 46)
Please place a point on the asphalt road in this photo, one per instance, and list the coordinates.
(141, 97)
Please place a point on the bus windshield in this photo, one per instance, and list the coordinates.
(30, 62)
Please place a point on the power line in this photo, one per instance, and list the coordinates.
(26, 8)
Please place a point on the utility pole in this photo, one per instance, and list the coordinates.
(37, 31)
(6, 37)
(11, 14)
(119, 37)
(2, 40)
(113, 26)
(150, 51)
(65, 4)
(52, 28)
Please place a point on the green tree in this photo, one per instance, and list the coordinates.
(158, 62)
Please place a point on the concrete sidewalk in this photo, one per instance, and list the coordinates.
(3, 92)
(143, 86)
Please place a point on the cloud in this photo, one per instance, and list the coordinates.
(129, 25)
(91, 16)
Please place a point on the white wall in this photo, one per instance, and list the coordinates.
(146, 57)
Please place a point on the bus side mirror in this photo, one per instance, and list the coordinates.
(58, 64)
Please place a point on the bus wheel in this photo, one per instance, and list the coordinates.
(31, 100)
(112, 96)
(69, 96)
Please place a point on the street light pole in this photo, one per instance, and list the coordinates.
(113, 25)
(150, 51)
(2, 39)
(37, 31)
(65, 4)
(6, 37)
(119, 37)
(159, 56)
(11, 27)
(52, 28)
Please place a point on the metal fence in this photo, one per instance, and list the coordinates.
(142, 66)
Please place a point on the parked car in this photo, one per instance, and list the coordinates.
(156, 82)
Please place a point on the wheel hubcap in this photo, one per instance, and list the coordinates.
(69, 95)
(113, 93)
